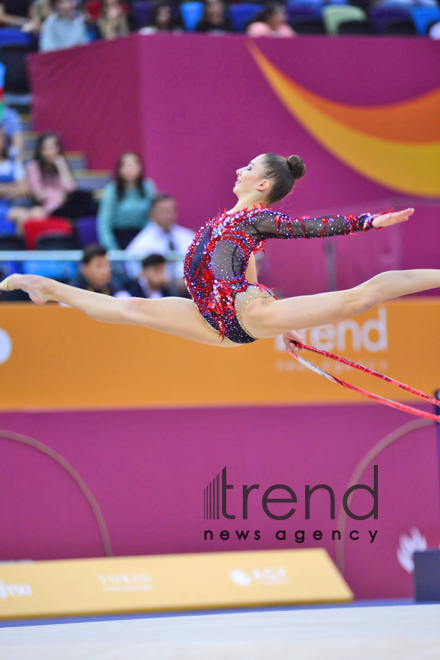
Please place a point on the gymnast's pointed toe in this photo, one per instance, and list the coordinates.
(7, 284)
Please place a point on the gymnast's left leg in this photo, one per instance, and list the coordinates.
(172, 315)
(266, 317)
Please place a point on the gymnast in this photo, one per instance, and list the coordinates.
(229, 307)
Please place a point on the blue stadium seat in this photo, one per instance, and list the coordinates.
(191, 13)
(12, 37)
(141, 13)
(242, 14)
(381, 16)
(7, 228)
(305, 3)
(86, 230)
(424, 17)
(300, 11)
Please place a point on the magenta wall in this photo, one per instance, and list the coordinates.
(197, 108)
(148, 470)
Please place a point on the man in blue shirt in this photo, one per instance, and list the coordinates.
(63, 29)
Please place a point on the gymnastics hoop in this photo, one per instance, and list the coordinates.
(359, 390)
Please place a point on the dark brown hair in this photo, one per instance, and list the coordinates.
(161, 197)
(91, 251)
(282, 172)
(121, 184)
(48, 170)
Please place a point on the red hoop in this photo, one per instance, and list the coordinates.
(376, 397)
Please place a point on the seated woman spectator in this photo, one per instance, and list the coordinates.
(214, 19)
(52, 186)
(112, 21)
(64, 28)
(272, 22)
(162, 19)
(124, 207)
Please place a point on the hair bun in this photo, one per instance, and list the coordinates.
(296, 166)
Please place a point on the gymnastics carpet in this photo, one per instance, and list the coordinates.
(370, 630)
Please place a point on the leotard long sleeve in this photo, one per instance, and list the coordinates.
(216, 261)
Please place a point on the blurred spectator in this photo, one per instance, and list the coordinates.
(434, 31)
(112, 22)
(124, 207)
(162, 235)
(272, 22)
(162, 20)
(64, 28)
(96, 274)
(214, 18)
(14, 12)
(11, 124)
(12, 180)
(39, 11)
(152, 281)
(52, 185)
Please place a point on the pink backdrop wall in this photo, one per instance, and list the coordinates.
(197, 108)
(148, 470)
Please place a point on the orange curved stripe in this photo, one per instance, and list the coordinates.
(413, 120)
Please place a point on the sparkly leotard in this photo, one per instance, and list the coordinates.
(216, 261)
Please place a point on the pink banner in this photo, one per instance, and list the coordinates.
(149, 471)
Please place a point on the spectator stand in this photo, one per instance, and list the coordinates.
(316, 16)
(52, 259)
(34, 253)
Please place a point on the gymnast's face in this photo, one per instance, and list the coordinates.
(251, 180)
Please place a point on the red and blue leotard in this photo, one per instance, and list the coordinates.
(216, 261)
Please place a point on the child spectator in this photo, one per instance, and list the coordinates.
(64, 28)
(112, 22)
(52, 185)
(152, 281)
(272, 22)
(124, 207)
(96, 274)
(214, 19)
(163, 235)
(162, 20)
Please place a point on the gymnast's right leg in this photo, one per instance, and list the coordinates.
(172, 315)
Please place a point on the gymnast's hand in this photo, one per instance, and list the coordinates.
(289, 339)
(388, 219)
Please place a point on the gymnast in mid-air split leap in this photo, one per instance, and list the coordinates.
(229, 307)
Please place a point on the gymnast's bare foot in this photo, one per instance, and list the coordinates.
(33, 285)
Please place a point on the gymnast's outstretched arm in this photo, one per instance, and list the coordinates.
(271, 224)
